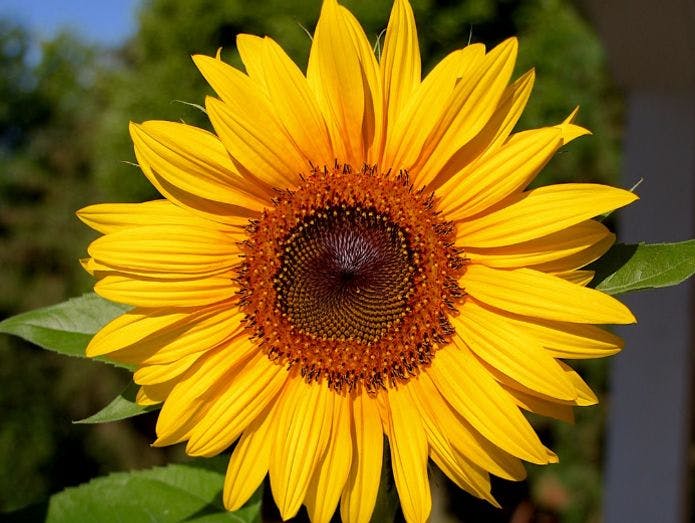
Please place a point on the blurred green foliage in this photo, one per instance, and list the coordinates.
(64, 144)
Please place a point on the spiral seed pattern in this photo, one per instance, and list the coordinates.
(345, 275)
(350, 279)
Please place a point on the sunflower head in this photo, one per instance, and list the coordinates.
(350, 278)
(354, 254)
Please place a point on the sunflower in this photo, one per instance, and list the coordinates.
(353, 255)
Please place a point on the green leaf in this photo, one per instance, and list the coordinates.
(189, 492)
(122, 407)
(66, 327)
(626, 268)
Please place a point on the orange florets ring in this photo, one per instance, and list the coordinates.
(350, 278)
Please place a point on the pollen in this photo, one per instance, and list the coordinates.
(350, 278)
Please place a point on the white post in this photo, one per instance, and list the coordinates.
(650, 399)
(651, 51)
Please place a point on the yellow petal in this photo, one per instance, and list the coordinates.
(250, 48)
(466, 441)
(511, 168)
(359, 494)
(156, 337)
(153, 374)
(224, 213)
(540, 212)
(491, 137)
(342, 74)
(373, 123)
(552, 457)
(234, 87)
(250, 460)
(585, 396)
(570, 340)
(580, 395)
(329, 479)
(165, 293)
(245, 396)
(571, 131)
(194, 161)
(484, 404)
(132, 326)
(111, 217)
(541, 406)
(303, 429)
(531, 400)
(290, 97)
(88, 265)
(154, 394)
(200, 164)
(142, 399)
(579, 259)
(408, 133)
(207, 331)
(248, 127)
(163, 251)
(473, 103)
(559, 249)
(400, 60)
(536, 294)
(193, 395)
(257, 143)
(465, 475)
(511, 351)
(408, 443)
(582, 278)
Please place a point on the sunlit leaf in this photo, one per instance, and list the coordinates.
(122, 407)
(66, 327)
(190, 492)
(626, 268)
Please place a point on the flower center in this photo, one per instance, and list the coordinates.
(350, 279)
(346, 274)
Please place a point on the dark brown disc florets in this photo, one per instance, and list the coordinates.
(350, 278)
(346, 274)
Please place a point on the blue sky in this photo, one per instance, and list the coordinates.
(107, 22)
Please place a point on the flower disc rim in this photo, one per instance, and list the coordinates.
(390, 341)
